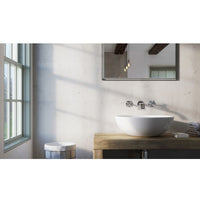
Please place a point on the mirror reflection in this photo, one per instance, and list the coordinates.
(140, 61)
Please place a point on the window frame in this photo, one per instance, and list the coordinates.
(25, 63)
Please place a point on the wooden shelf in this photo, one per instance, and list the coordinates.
(114, 141)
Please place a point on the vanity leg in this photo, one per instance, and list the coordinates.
(145, 154)
(97, 154)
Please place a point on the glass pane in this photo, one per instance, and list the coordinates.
(6, 120)
(162, 74)
(13, 119)
(8, 50)
(6, 80)
(15, 52)
(171, 74)
(19, 118)
(13, 82)
(154, 74)
(19, 83)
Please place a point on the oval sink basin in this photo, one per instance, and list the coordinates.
(146, 125)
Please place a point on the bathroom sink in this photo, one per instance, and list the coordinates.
(146, 125)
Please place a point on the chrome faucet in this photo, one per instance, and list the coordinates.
(151, 103)
(129, 104)
(141, 105)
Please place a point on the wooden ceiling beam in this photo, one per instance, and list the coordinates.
(120, 48)
(157, 48)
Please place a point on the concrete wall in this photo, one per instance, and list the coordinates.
(73, 102)
(24, 150)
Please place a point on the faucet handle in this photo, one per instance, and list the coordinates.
(151, 103)
(129, 104)
(141, 105)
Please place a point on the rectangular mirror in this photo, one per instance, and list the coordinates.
(140, 61)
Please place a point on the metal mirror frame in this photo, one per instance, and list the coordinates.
(144, 79)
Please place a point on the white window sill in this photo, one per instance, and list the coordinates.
(15, 143)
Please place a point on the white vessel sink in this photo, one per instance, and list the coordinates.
(146, 125)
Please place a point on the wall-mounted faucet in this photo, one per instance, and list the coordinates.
(129, 104)
(141, 105)
(151, 103)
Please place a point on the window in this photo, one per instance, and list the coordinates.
(163, 72)
(16, 94)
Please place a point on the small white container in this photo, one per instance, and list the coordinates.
(60, 150)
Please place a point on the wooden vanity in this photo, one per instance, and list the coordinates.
(111, 141)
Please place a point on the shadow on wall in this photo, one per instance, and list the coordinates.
(90, 86)
(45, 80)
(46, 101)
(83, 153)
(83, 117)
(165, 108)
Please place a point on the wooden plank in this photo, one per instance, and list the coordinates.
(120, 48)
(157, 48)
(98, 154)
(124, 141)
(122, 154)
(73, 154)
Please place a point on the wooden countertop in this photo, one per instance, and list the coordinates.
(106, 141)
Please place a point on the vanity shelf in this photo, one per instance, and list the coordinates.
(113, 141)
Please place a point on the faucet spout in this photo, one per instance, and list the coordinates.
(141, 105)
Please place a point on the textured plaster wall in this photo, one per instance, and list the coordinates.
(73, 103)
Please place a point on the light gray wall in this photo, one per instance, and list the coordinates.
(73, 103)
(25, 150)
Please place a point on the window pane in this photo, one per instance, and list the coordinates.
(15, 52)
(8, 50)
(171, 74)
(154, 74)
(6, 80)
(13, 119)
(19, 118)
(6, 120)
(162, 74)
(13, 82)
(19, 83)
